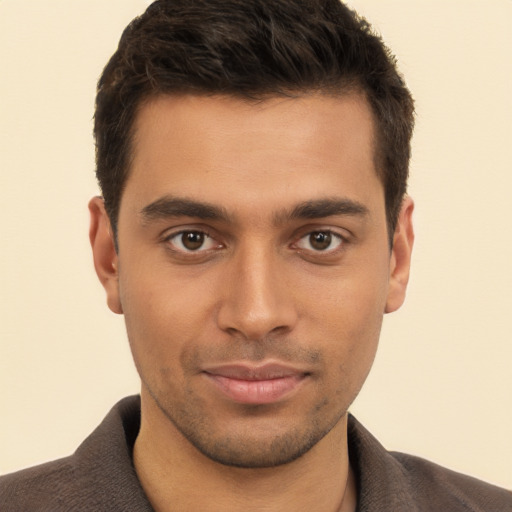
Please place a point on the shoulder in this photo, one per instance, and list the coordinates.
(435, 484)
(98, 477)
(405, 483)
(37, 488)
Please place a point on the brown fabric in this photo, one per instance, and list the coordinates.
(100, 477)
(390, 481)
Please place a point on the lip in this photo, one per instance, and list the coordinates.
(255, 385)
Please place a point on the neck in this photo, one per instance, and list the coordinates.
(177, 477)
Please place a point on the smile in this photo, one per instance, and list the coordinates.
(257, 386)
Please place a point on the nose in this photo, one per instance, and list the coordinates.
(256, 300)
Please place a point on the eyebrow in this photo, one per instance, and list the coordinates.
(168, 207)
(320, 208)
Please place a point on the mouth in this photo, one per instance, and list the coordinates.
(260, 385)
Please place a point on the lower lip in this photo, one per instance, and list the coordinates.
(256, 391)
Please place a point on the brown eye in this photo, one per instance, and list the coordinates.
(193, 240)
(320, 240)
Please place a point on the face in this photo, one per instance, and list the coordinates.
(253, 268)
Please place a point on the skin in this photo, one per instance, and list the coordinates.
(251, 234)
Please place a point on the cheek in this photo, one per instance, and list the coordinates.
(159, 300)
(354, 342)
(155, 317)
(166, 315)
(350, 303)
(347, 319)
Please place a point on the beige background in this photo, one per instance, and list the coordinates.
(441, 385)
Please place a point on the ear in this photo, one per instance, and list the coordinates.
(400, 263)
(104, 253)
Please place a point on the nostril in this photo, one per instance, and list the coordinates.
(281, 329)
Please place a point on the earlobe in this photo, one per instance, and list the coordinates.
(400, 263)
(104, 253)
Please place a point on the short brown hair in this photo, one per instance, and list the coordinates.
(251, 49)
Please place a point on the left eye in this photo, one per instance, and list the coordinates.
(320, 241)
(192, 241)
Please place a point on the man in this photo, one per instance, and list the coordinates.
(254, 228)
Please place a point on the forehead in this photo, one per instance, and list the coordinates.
(193, 145)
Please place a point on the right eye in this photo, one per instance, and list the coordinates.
(191, 241)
